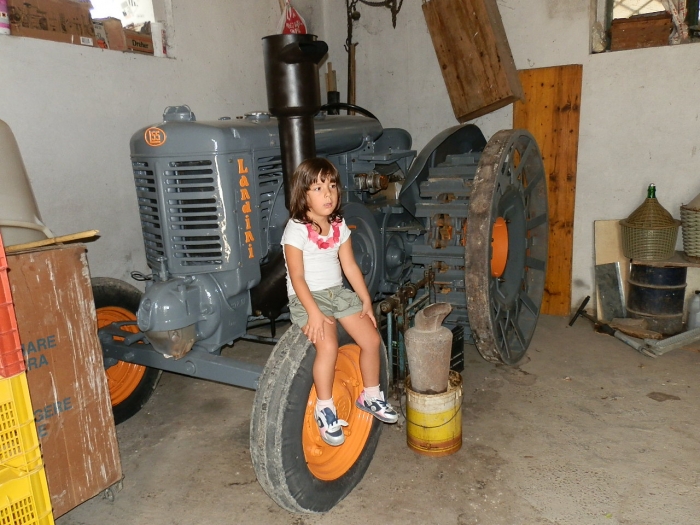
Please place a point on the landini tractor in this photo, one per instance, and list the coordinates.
(212, 201)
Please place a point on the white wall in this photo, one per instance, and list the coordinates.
(639, 111)
(74, 109)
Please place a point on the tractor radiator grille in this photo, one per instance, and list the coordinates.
(190, 198)
(269, 184)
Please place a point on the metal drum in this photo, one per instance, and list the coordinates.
(657, 294)
(434, 421)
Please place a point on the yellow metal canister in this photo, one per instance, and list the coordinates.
(434, 421)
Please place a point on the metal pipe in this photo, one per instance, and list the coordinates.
(390, 342)
(293, 95)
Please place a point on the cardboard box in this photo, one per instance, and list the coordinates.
(648, 30)
(110, 30)
(57, 324)
(100, 35)
(138, 42)
(57, 20)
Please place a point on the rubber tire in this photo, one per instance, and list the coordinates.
(113, 292)
(276, 429)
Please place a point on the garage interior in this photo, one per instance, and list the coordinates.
(584, 429)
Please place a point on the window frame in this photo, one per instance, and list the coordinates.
(602, 17)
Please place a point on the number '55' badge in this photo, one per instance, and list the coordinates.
(155, 137)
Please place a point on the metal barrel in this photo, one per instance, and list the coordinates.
(657, 294)
(434, 421)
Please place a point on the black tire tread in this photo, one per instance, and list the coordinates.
(268, 444)
(108, 291)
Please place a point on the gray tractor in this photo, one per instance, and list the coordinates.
(211, 198)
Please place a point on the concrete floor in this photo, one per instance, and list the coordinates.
(585, 431)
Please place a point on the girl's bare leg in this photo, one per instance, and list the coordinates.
(324, 364)
(366, 336)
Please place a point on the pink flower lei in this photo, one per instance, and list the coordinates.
(329, 243)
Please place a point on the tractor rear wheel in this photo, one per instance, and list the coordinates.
(506, 246)
(484, 206)
(293, 465)
(130, 385)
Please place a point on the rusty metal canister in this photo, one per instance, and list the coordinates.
(434, 422)
(428, 350)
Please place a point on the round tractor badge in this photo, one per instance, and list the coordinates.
(155, 137)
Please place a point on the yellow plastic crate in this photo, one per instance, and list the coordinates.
(19, 443)
(24, 499)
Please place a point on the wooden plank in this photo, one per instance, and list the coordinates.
(474, 55)
(89, 234)
(551, 112)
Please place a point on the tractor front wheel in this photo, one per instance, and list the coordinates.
(130, 385)
(293, 465)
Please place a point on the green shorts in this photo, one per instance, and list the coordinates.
(334, 302)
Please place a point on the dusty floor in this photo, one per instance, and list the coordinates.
(585, 431)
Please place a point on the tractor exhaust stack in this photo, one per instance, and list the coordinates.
(293, 95)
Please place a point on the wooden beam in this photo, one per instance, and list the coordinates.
(551, 112)
(89, 234)
(474, 56)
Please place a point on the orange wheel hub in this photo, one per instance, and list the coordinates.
(499, 247)
(122, 378)
(329, 463)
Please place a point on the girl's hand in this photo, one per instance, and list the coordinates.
(315, 326)
(368, 311)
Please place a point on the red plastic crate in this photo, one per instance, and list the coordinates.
(3, 259)
(11, 359)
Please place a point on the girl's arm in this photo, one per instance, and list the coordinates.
(354, 276)
(317, 320)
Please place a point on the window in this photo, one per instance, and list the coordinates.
(631, 24)
(131, 12)
(627, 8)
(146, 25)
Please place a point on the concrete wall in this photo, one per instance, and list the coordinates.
(639, 111)
(73, 109)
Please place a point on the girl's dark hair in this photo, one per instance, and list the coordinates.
(303, 177)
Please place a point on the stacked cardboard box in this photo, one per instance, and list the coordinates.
(57, 20)
(110, 33)
(138, 42)
(57, 324)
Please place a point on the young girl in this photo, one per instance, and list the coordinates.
(317, 247)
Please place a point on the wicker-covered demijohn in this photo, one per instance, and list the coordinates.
(690, 220)
(650, 232)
